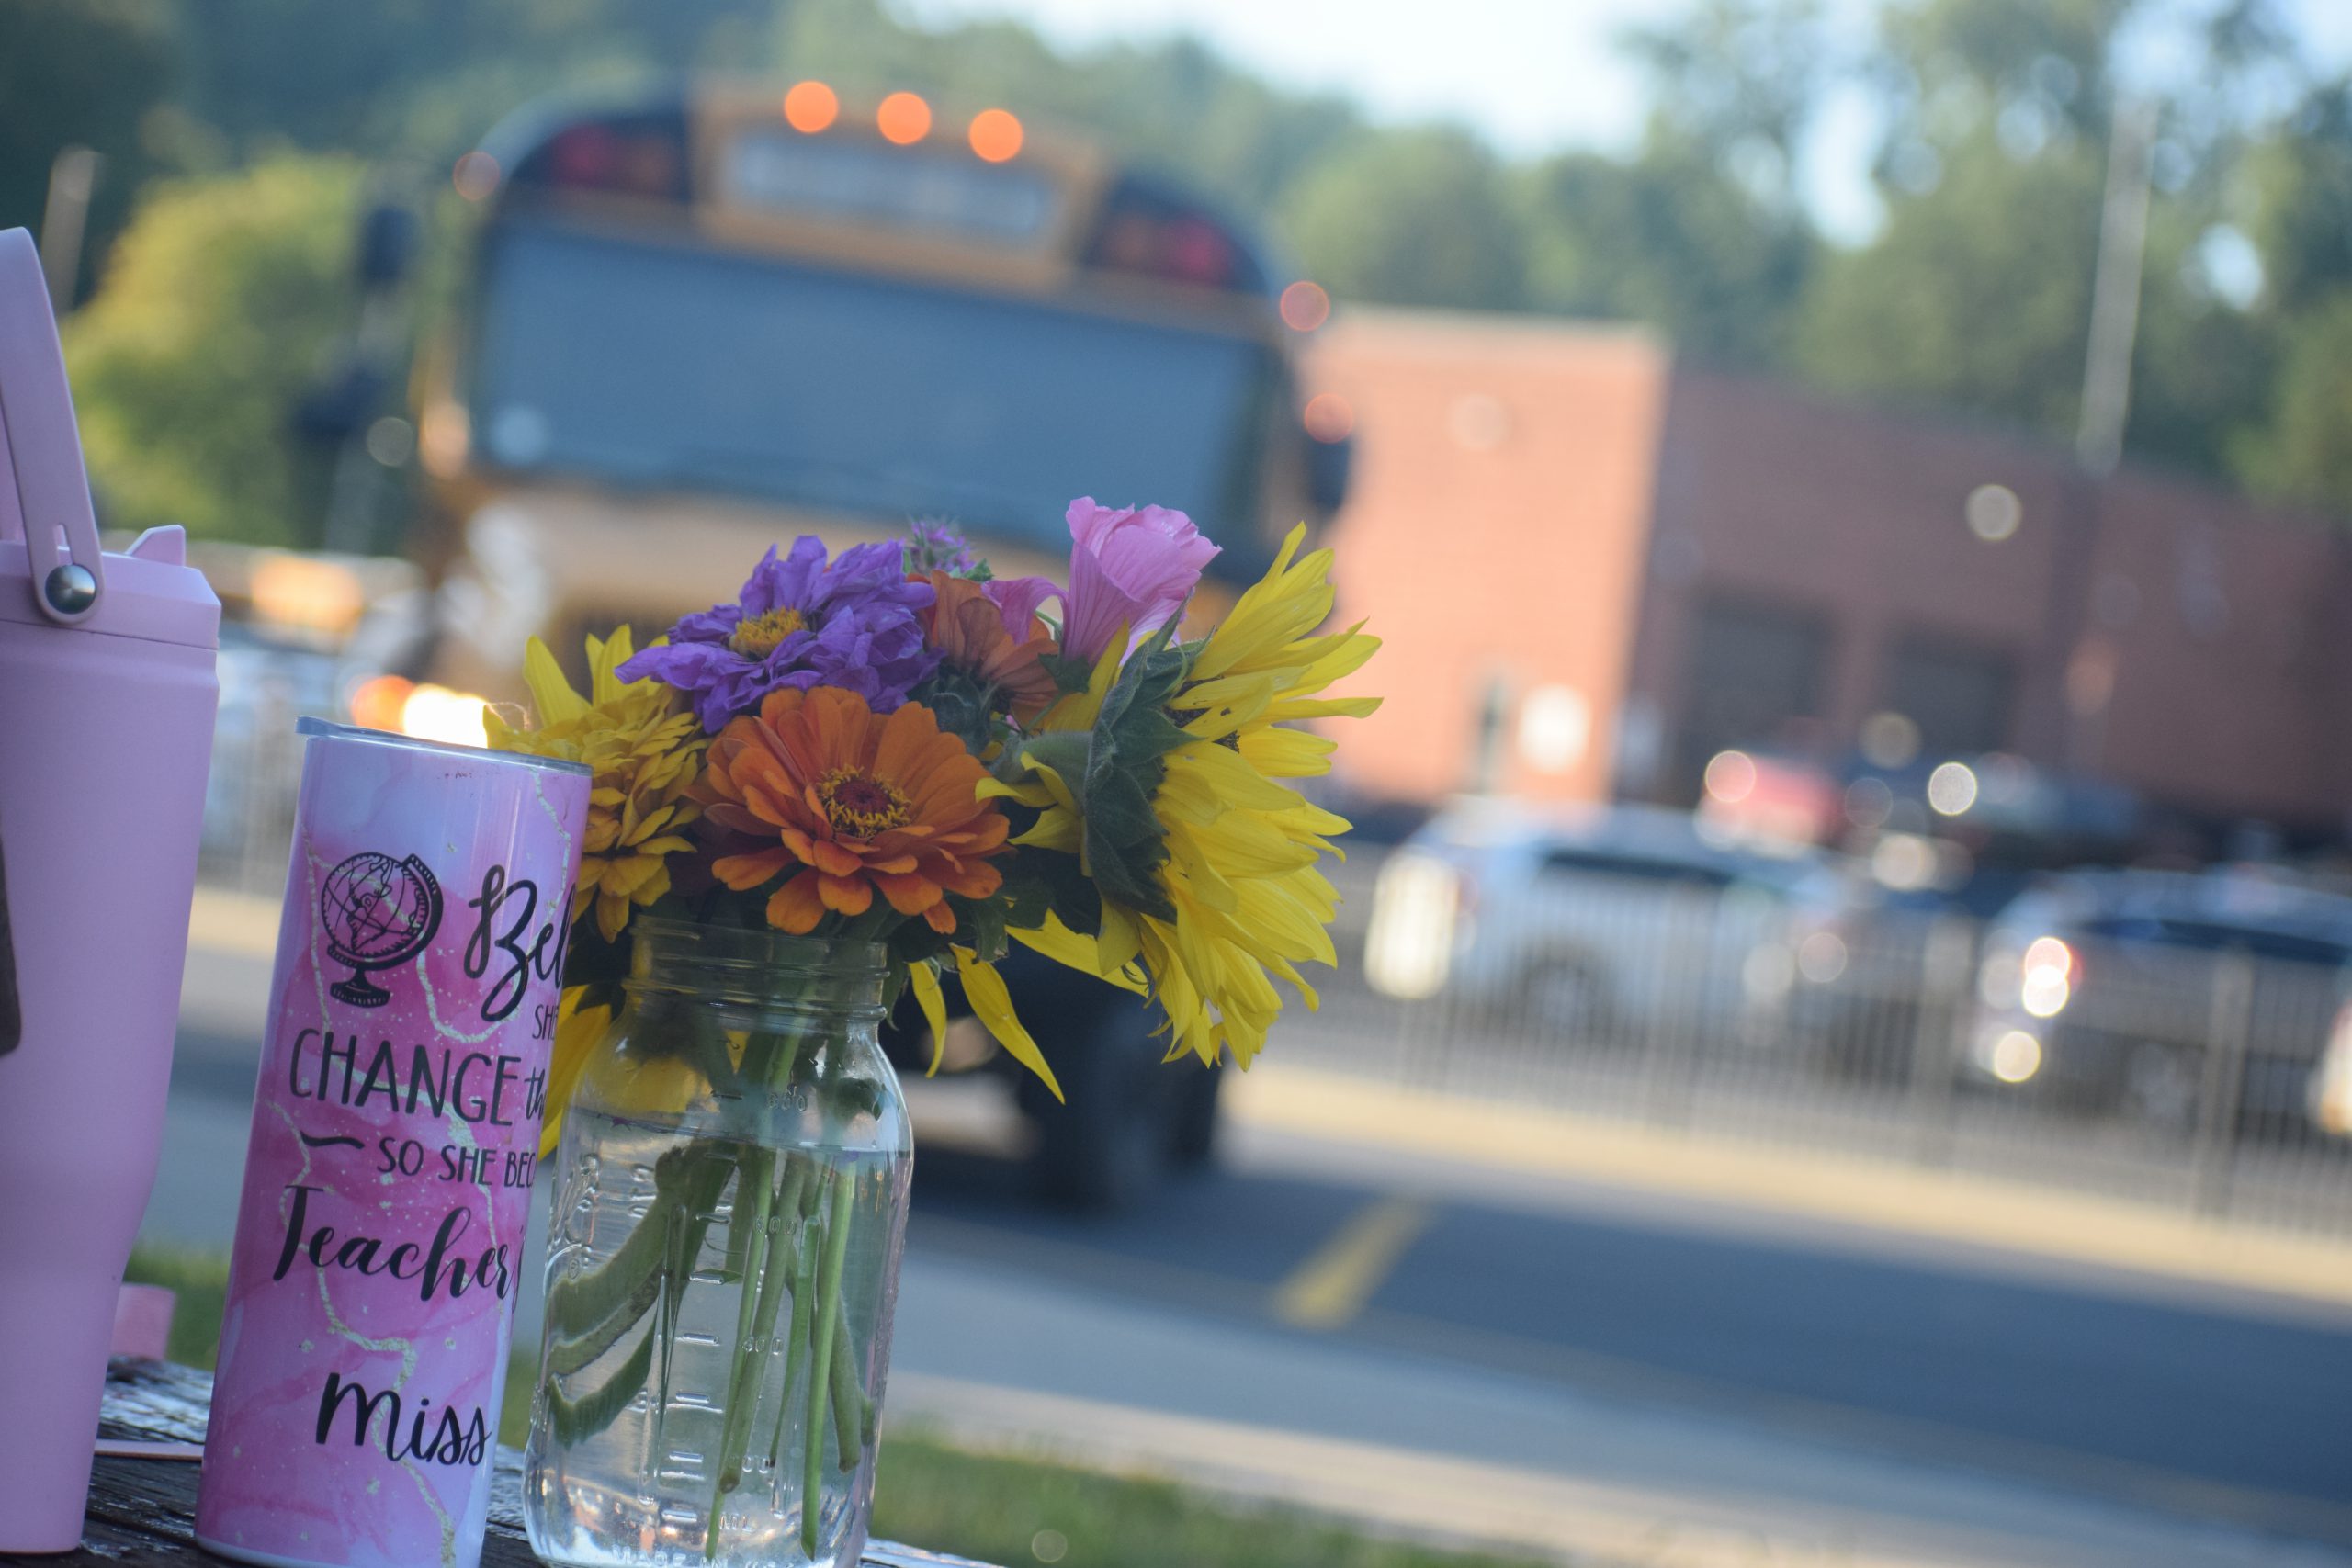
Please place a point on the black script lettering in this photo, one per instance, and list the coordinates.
(293, 1230)
(359, 1253)
(364, 1407)
(452, 1440)
(488, 942)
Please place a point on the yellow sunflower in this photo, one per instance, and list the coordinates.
(1239, 898)
(645, 750)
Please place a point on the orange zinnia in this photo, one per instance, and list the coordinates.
(859, 802)
(971, 632)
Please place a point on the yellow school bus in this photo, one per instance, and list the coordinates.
(707, 319)
(718, 316)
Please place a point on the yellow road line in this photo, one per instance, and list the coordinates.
(1992, 1212)
(1331, 1287)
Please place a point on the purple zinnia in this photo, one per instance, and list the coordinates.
(802, 623)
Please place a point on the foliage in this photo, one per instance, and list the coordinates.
(1995, 115)
(216, 313)
(1669, 239)
(1977, 294)
(1414, 217)
(2304, 450)
(88, 75)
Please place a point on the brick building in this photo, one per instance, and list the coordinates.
(1595, 568)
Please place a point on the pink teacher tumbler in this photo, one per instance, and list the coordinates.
(379, 1238)
(107, 698)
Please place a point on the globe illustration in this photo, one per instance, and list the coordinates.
(379, 913)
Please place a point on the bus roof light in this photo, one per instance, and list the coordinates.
(996, 135)
(904, 119)
(811, 106)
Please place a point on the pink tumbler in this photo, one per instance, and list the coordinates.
(107, 698)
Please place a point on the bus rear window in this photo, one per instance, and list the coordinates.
(676, 366)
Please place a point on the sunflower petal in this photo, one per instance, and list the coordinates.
(923, 980)
(558, 703)
(992, 1005)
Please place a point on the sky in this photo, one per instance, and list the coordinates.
(1532, 75)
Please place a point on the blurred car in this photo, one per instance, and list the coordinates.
(2330, 1100)
(1878, 974)
(1128, 1115)
(1607, 924)
(2110, 992)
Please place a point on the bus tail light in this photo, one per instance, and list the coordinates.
(639, 154)
(1146, 230)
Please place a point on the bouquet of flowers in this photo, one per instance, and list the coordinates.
(895, 746)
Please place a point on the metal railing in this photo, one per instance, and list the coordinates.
(2171, 1075)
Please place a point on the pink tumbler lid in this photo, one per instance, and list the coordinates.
(51, 572)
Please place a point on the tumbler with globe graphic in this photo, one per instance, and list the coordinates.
(388, 1180)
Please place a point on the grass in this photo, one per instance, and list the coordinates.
(997, 1507)
(1017, 1511)
(201, 1280)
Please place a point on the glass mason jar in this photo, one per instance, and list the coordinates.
(730, 1197)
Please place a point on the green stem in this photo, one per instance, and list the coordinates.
(623, 1283)
(820, 1351)
(576, 1420)
(782, 1262)
(852, 1411)
(796, 1339)
(587, 1314)
(749, 1228)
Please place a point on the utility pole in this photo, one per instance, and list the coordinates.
(2115, 288)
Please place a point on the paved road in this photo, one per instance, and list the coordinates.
(2211, 1402)
(2197, 1400)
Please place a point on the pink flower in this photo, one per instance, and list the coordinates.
(1132, 568)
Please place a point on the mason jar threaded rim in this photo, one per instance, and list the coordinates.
(732, 963)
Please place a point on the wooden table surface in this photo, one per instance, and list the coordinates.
(142, 1511)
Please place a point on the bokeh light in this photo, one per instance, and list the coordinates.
(1890, 740)
(1731, 777)
(903, 118)
(2017, 1056)
(811, 106)
(996, 134)
(1994, 513)
(1329, 417)
(1305, 305)
(1951, 788)
(476, 175)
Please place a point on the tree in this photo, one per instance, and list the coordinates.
(76, 73)
(1975, 295)
(2304, 448)
(214, 316)
(1738, 82)
(1670, 240)
(1415, 217)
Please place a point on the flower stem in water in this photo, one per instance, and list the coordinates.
(821, 1351)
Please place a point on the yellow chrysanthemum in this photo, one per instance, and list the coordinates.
(645, 752)
(1246, 897)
